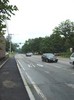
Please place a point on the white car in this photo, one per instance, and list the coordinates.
(72, 59)
(29, 54)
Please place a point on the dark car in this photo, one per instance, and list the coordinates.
(49, 57)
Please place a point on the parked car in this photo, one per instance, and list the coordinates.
(49, 57)
(72, 59)
(29, 54)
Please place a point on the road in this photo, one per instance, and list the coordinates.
(47, 81)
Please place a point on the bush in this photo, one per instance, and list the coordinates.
(65, 54)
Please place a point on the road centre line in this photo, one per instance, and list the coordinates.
(36, 88)
(39, 65)
(72, 73)
(47, 72)
(33, 65)
(61, 68)
(65, 69)
(29, 66)
(70, 85)
(57, 66)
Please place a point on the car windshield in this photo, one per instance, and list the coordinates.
(49, 55)
(72, 55)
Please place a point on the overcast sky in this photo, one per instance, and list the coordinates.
(37, 18)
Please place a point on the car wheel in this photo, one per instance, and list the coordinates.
(56, 61)
(42, 60)
(47, 60)
(73, 62)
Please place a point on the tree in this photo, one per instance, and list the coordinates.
(26, 47)
(56, 43)
(66, 29)
(7, 45)
(61, 40)
(36, 45)
(14, 47)
(32, 45)
(45, 45)
(6, 10)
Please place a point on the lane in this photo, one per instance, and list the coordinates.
(30, 72)
(62, 62)
(50, 67)
(53, 82)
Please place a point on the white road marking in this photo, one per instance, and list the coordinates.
(70, 85)
(3, 63)
(72, 73)
(39, 65)
(36, 88)
(23, 68)
(57, 66)
(47, 72)
(29, 66)
(33, 65)
(61, 68)
(31, 96)
(21, 65)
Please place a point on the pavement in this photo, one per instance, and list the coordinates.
(11, 84)
(62, 58)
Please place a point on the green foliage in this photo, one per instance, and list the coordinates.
(6, 10)
(66, 29)
(32, 45)
(61, 40)
(45, 45)
(65, 54)
(13, 46)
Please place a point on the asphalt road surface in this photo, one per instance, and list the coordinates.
(11, 84)
(47, 81)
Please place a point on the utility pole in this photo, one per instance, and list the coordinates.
(9, 36)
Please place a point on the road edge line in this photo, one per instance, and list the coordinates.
(31, 96)
(3, 63)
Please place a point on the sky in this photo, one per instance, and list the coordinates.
(38, 18)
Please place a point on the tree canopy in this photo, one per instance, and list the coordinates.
(6, 10)
(61, 40)
(66, 29)
(14, 46)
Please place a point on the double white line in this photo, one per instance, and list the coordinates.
(31, 96)
(39, 92)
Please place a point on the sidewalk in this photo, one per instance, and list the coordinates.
(11, 84)
(64, 59)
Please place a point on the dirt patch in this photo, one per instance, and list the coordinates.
(9, 84)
